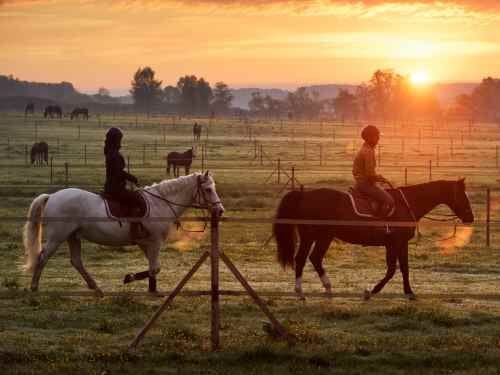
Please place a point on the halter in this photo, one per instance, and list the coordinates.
(198, 196)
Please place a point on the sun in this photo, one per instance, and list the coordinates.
(420, 78)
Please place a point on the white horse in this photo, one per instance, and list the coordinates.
(74, 214)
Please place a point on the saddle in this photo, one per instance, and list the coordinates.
(365, 206)
(116, 210)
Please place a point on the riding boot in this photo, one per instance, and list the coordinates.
(137, 230)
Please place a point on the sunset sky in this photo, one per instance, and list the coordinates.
(253, 43)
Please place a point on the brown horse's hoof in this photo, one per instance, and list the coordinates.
(98, 293)
(367, 295)
(128, 278)
(410, 296)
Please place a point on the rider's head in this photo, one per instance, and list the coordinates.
(371, 135)
(113, 139)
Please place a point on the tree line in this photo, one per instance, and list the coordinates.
(482, 104)
(191, 95)
(387, 96)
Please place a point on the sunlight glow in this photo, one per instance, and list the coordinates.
(420, 78)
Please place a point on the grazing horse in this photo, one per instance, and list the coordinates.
(412, 203)
(84, 112)
(178, 159)
(40, 153)
(52, 111)
(197, 131)
(29, 110)
(78, 214)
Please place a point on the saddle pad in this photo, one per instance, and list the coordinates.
(116, 210)
(364, 206)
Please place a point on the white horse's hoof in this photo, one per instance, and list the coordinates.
(367, 295)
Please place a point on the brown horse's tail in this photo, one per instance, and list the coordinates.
(285, 234)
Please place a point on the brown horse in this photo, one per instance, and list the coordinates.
(178, 159)
(52, 111)
(40, 154)
(77, 112)
(412, 203)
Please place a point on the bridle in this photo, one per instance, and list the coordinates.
(440, 217)
(198, 197)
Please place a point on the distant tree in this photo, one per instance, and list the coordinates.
(256, 103)
(363, 100)
(171, 95)
(381, 90)
(103, 92)
(222, 98)
(195, 95)
(345, 105)
(205, 96)
(302, 105)
(486, 98)
(146, 90)
(187, 87)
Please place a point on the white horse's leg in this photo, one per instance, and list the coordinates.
(47, 251)
(75, 248)
(153, 254)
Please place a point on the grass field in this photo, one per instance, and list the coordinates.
(42, 333)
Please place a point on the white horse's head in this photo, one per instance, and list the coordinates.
(209, 195)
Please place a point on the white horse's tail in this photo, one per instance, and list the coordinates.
(32, 234)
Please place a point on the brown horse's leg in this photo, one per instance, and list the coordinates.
(391, 258)
(316, 259)
(300, 261)
(405, 270)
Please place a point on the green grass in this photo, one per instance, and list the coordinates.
(59, 335)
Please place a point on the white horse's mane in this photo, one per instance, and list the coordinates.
(175, 185)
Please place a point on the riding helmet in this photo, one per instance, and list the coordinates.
(369, 132)
(114, 134)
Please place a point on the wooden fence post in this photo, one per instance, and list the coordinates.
(214, 266)
(128, 163)
(261, 155)
(255, 149)
(488, 218)
(202, 157)
(430, 170)
(437, 155)
(406, 176)
(496, 156)
(279, 171)
(26, 154)
(85, 154)
(321, 154)
(66, 173)
(293, 177)
(51, 170)
(79, 131)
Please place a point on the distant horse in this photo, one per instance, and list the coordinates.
(52, 111)
(29, 110)
(197, 131)
(412, 203)
(84, 112)
(40, 153)
(78, 214)
(178, 159)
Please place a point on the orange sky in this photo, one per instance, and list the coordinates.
(277, 43)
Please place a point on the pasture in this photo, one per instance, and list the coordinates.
(453, 326)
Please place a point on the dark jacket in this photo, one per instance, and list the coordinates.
(116, 177)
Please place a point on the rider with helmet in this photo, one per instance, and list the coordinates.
(117, 177)
(364, 171)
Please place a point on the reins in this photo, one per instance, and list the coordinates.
(170, 204)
